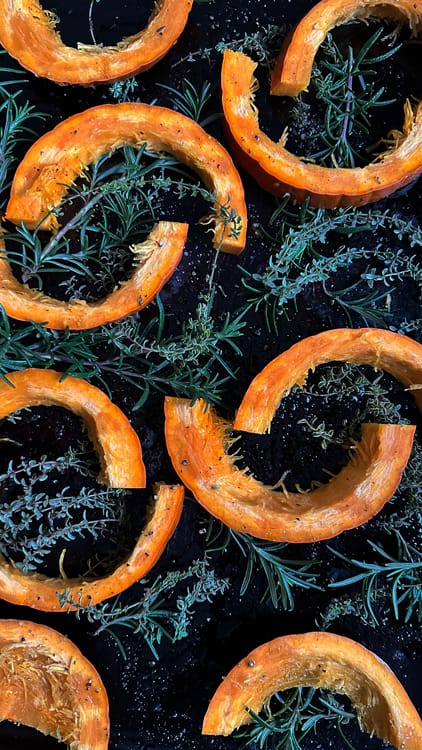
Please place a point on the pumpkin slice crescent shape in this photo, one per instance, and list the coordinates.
(279, 171)
(319, 660)
(28, 33)
(53, 163)
(110, 431)
(46, 683)
(197, 441)
(66, 594)
(61, 155)
(156, 258)
(120, 455)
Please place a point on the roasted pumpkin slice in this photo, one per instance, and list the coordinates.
(56, 159)
(28, 33)
(318, 660)
(197, 441)
(46, 683)
(293, 69)
(280, 172)
(45, 593)
(396, 354)
(115, 441)
(156, 258)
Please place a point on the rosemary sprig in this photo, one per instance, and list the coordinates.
(402, 576)
(285, 722)
(343, 84)
(283, 575)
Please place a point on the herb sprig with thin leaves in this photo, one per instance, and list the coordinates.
(298, 262)
(402, 576)
(343, 83)
(163, 611)
(283, 575)
(34, 522)
(291, 715)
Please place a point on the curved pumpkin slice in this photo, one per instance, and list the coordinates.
(318, 660)
(115, 441)
(197, 440)
(157, 259)
(280, 172)
(38, 591)
(56, 159)
(293, 68)
(28, 33)
(398, 355)
(46, 683)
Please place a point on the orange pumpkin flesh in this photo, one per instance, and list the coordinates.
(57, 158)
(293, 68)
(197, 440)
(38, 591)
(157, 259)
(384, 350)
(46, 683)
(280, 172)
(28, 34)
(115, 441)
(317, 660)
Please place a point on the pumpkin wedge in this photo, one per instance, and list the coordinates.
(46, 683)
(43, 593)
(293, 68)
(28, 33)
(318, 660)
(115, 441)
(282, 173)
(56, 159)
(156, 258)
(394, 353)
(197, 441)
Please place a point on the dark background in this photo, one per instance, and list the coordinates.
(159, 705)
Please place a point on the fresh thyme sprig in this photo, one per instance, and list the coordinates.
(35, 522)
(402, 577)
(285, 722)
(162, 612)
(297, 261)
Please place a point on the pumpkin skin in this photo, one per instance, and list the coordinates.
(158, 258)
(280, 172)
(40, 592)
(28, 33)
(398, 355)
(317, 660)
(197, 439)
(115, 441)
(293, 68)
(56, 159)
(46, 683)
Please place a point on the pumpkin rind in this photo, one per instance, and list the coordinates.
(115, 441)
(280, 172)
(158, 257)
(398, 355)
(56, 159)
(46, 683)
(318, 660)
(42, 593)
(28, 33)
(197, 439)
(293, 68)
